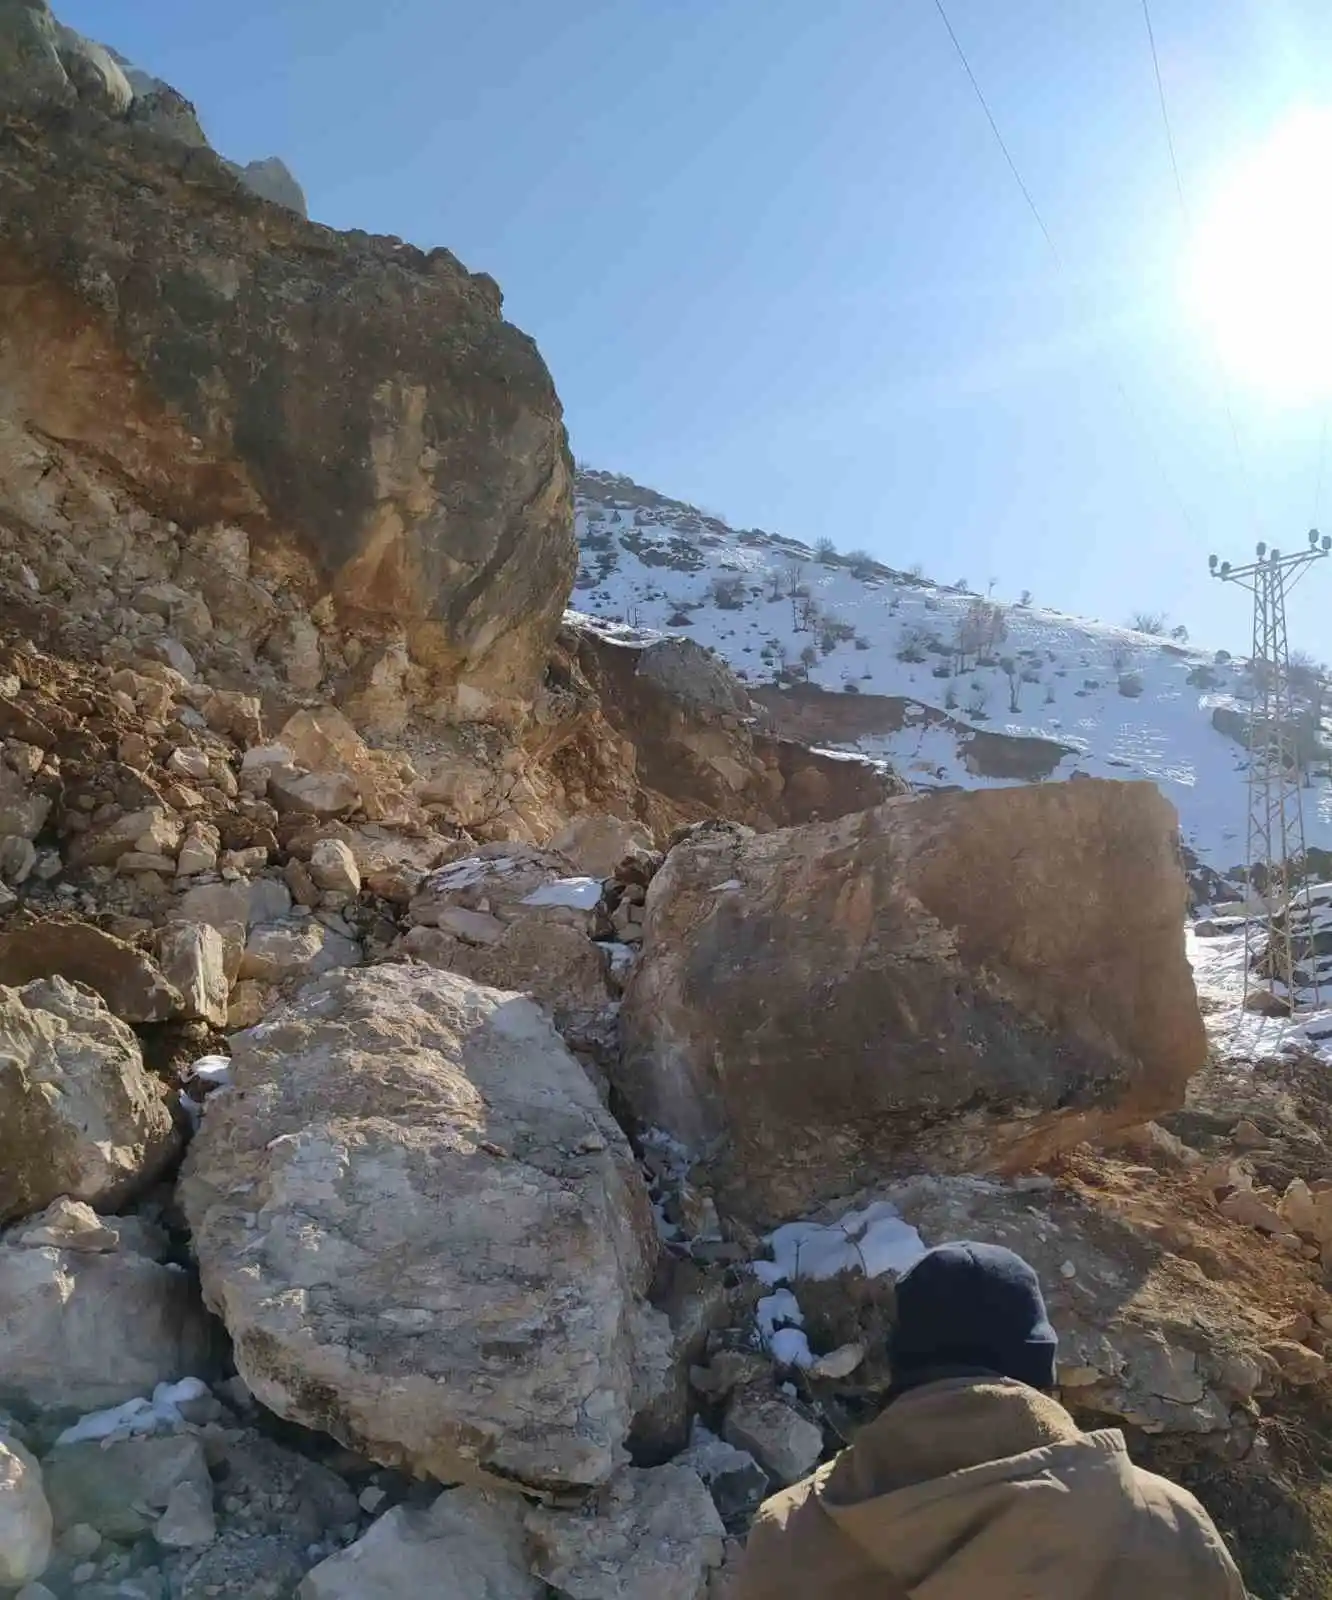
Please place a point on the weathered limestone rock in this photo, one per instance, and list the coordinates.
(973, 980)
(408, 526)
(23, 810)
(122, 1487)
(333, 867)
(193, 959)
(596, 842)
(511, 883)
(130, 982)
(561, 968)
(655, 1536)
(474, 1537)
(318, 794)
(425, 1234)
(152, 830)
(786, 1445)
(81, 1330)
(25, 1516)
(79, 1115)
(280, 951)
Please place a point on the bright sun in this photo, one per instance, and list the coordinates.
(1259, 274)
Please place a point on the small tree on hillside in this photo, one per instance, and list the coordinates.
(825, 550)
(1151, 622)
(980, 631)
(1012, 670)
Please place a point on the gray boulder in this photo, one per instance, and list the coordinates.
(425, 1234)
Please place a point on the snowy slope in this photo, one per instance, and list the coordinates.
(1126, 705)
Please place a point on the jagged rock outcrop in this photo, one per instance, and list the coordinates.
(322, 457)
(969, 981)
(424, 1233)
(79, 1116)
(669, 734)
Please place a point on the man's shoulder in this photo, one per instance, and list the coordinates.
(1168, 1513)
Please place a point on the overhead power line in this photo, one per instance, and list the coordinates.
(1142, 429)
(1187, 222)
(994, 129)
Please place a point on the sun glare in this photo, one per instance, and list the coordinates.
(1259, 279)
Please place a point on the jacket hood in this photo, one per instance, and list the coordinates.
(966, 1487)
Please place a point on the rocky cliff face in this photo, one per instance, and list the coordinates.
(333, 444)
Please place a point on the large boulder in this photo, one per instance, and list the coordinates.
(969, 981)
(94, 1323)
(371, 462)
(78, 1113)
(424, 1233)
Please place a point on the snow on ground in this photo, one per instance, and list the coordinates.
(874, 1241)
(1126, 705)
(1240, 1035)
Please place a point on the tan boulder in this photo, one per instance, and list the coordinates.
(425, 1234)
(132, 984)
(973, 980)
(79, 1116)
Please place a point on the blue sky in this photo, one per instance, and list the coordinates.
(778, 267)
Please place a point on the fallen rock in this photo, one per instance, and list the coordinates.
(23, 810)
(152, 830)
(655, 1535)
(561, 968)
(316, 794)
(193, 960)
(786, 1445)
(199, 849)
(130, 982)
(121, 1487)
(509, 882)
(79, 1116)
(596, 843)
(486, 1320)
(971, 980)
(67, 1225)
(282, 951)
(1252, 1210)
(82, 1330)
(736, 1482)
(277, 1513)
(473, 1537)
(333, 868)
(25, 1516)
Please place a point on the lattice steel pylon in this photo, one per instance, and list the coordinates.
(1276, 842)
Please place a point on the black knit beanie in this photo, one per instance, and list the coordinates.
(971, 1305)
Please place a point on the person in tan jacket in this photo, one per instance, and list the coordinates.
(975, 1483)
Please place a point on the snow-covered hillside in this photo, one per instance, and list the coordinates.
(938, 676)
